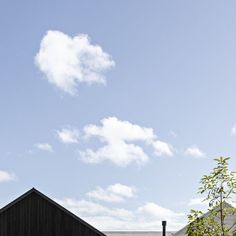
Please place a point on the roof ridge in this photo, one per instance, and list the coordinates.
(17, 199)
(34, 190)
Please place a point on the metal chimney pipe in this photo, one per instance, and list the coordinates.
(164, 228)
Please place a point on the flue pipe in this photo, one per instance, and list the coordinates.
(163, 228)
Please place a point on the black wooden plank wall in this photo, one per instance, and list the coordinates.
(35, 216)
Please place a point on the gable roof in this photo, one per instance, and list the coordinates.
(229, 220)
(35, 191)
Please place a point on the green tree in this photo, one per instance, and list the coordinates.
(218, 188)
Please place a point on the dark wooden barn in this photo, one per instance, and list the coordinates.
(34, 214)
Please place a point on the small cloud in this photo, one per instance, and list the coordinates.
(113, 193)
(43, 146)
(120, 143)
(67, 61)
(194, 152)
(233, 130)
(162, 148)
(68, 135)
(6, 176)
(118, 137)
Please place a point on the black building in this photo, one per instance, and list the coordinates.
(34, 214)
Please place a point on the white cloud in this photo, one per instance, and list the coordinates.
(122, 154)
(44, 147)
(162, 148)
(153, 211)
(120, 139)
(194, 152)
(67, 61)
(145, 217)
(88, 208)
(113, 193)
(232, 202)
(6, 176)
(68, 135)
(233, 130)
(197, 201)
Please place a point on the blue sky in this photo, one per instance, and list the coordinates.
(116, 109)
